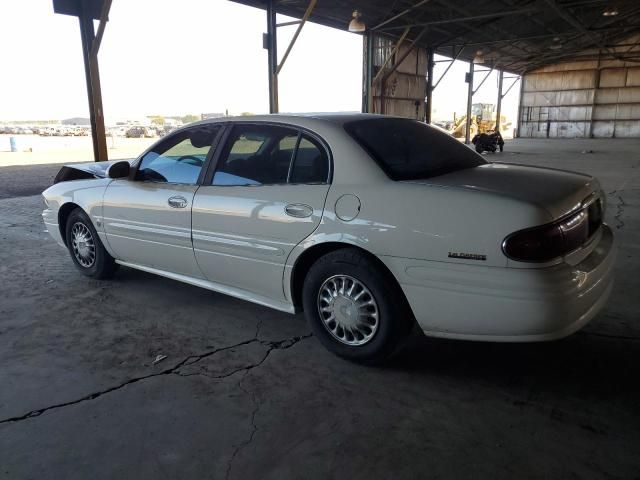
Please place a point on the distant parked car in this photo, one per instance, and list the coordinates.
(165, 130)
(369, 224)
(135, 132)
(139, 132)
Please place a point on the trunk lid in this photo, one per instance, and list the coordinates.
(557, 191)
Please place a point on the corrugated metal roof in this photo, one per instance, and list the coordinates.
(517, 36)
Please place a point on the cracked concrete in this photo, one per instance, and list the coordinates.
(619, 212)
(176, 369)
(237, 448)
(245, 393)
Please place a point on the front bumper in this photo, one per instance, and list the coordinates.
(51, 223)
(507, 304)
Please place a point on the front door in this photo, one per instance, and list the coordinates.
(267, 194)
(147, 219)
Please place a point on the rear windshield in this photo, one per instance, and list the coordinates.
(410, 150)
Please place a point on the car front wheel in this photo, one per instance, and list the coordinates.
(86, 249)
(354, 308)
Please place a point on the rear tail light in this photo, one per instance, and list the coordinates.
(544, 243)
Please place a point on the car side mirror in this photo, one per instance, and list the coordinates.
(119, 170)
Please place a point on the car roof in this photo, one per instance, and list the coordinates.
(297, 119)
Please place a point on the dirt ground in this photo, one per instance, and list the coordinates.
(247, 392)
(36, 150)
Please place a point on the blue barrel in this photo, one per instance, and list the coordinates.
(13, 143)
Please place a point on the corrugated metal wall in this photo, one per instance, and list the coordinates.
(582, 99)
(405, 90)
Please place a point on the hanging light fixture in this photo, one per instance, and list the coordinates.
(479, 57)
(610, 12)
(556, 45)
(356, 25)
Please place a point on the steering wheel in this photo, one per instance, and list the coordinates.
(196, 161)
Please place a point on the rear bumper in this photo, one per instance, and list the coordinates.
(507, 304)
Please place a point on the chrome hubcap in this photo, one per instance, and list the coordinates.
(82, 244)
(348, 310)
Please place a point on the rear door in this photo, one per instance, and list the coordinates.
(266, 194)
(147, 218)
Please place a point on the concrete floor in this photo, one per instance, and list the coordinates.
(245, 392)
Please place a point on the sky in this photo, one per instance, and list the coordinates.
(171, 57)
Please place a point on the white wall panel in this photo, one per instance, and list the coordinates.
(582, 99)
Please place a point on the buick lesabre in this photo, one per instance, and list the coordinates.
(369, 224)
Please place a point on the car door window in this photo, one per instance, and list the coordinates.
(180, 157)
(311, 164)
(256, 155)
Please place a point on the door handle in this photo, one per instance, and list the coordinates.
(177, 201)
(298, 210)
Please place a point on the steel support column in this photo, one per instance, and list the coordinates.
(270, 42)
(467, 132)
(272, 53)
(94, 92)
(429, 106)
(598, 74)
(519, 121)
(499, 105)
(367, 73)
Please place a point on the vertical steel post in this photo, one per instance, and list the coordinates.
(368, 85)
(272, 50)
(499, 106)
(598, 73)
(519, 121)
(94, 93)
(429, 105)
(367, 70)
(467, 132)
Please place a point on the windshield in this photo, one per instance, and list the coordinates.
(410, 150)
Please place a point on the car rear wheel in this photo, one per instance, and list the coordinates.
(354, 308)
(86, 249)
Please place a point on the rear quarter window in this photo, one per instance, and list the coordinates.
(410, 150)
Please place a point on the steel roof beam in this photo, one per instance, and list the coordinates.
(307, 13)
(486, 16)
(574, 22)
(104, 18)
(455, 57)
(522, 39)
(399, 15)
(479, 30)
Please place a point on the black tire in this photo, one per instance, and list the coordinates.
(90, 257)
(479, 148)
(394, 317)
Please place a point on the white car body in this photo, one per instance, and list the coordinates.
(440, 238)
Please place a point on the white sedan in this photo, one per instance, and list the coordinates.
(369, 224)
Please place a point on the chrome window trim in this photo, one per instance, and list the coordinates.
(208, 180)
(135, 165)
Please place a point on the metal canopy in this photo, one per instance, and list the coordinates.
(512, 35)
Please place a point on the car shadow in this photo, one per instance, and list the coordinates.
(586, 363)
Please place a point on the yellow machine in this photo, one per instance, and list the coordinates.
(483, 120)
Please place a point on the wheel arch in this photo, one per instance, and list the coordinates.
(63, 215)
(309, 256)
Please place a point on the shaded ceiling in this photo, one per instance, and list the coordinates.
(515, 35)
